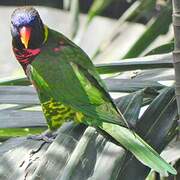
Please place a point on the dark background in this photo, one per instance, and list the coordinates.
(114, 10)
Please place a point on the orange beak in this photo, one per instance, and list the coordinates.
(25, 33)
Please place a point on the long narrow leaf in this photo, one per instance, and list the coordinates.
(21, 119)
(142, 10)
(74, 17)
(159, 26)
(139, 148)
(130, 106)
(96, 8)
(116, 29)
(130, 85)
(149, 62)
(66, 4)
(157, 126)
(15, 82)
(14, 132)
(165, 48)
(113, 156)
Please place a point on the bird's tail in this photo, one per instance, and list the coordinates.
(139, 148)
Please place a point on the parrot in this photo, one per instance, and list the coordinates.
(69, 86)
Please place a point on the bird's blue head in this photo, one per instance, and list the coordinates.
(27, 28)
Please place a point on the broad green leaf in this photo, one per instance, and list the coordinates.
(157, 126)
(97, 147)
(159, 113)
(77, 153)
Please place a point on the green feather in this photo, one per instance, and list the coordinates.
(68, 76)
(139, 148)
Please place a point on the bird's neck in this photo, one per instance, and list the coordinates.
(26, 56)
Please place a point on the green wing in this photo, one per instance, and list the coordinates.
(58, 75)
(70, 78)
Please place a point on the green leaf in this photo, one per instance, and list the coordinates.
(107, 153)
(158, 115)
(148, 62)
(74, 17)
(140, 149)
(165, 48)
(159, 26)
(157, 75)
(137, 11)
(66, 4)
(152, 176)
(14, 132)
(130, 106)
(130, 85)
(144, 8)
(15, 82)
(172, 152)
(96, 8)
(18, 95)
(157, 126)
(21, 119)
(116, 29)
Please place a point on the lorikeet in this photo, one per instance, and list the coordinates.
(69, 86)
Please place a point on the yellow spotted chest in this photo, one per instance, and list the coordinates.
(57, 113)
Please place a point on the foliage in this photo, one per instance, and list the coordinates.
(149, 106)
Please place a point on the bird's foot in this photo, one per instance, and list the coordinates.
(47, 136)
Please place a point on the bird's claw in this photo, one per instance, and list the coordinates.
(47, 137)
(41, 137)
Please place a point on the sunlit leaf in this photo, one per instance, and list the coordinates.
(97, 7)
(160, 25)
(165, 48)
(14, 132)
(74, 17)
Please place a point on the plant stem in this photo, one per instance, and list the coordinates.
(176, 53)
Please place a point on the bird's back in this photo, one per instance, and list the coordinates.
(64, 73)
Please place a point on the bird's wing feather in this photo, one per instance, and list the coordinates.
(86, 66)
(81, 59)
(67, 83)
(68, 90)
